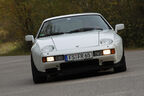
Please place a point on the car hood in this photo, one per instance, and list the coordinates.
(74, 40)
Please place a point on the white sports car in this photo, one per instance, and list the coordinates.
(76, 43)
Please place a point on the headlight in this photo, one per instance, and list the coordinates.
(108, 51)
(48, 48)
(106, 41)
(53, 58)
(48, 59)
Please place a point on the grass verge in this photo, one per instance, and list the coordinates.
(12, 49)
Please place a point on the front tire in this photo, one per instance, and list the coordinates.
(38, 77)
(121, 66)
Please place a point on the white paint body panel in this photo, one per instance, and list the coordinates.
(67, 44)
(70, 41)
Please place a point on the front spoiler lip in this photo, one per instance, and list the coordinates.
(67, 69)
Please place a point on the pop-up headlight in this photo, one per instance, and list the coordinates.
(106, 41)
(48, 48)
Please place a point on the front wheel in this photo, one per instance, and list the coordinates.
(121, 66)
(38, 77)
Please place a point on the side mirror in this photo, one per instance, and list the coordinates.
(29, 38)
(119, 27)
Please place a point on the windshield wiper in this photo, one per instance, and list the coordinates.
(84, 29)
(51, 34)
(57, 33)
(44, 35)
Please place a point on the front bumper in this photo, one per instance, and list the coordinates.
(101, 59)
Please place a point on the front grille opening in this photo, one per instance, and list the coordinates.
(80, 64)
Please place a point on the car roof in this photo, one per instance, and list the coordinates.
(56, 17)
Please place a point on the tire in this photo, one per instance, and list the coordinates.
(121, 66)
(38, 77)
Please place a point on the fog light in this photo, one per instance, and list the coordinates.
(106, 52)
(97, 53)
(59, 57)
(50, 59)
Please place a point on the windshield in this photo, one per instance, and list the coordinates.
(73, 24)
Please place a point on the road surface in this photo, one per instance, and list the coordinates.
(16, 80)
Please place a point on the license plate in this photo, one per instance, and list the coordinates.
(79, 56)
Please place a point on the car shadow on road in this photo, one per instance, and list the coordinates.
(78, 76)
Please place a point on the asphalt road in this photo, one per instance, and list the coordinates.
(16, 80)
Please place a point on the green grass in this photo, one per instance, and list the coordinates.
(12, 49)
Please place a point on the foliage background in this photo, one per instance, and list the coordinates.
(21, 17)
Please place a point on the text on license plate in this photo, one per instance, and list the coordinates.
(79, 56)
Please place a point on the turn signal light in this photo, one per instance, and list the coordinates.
(44, 59)
(112, 51)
